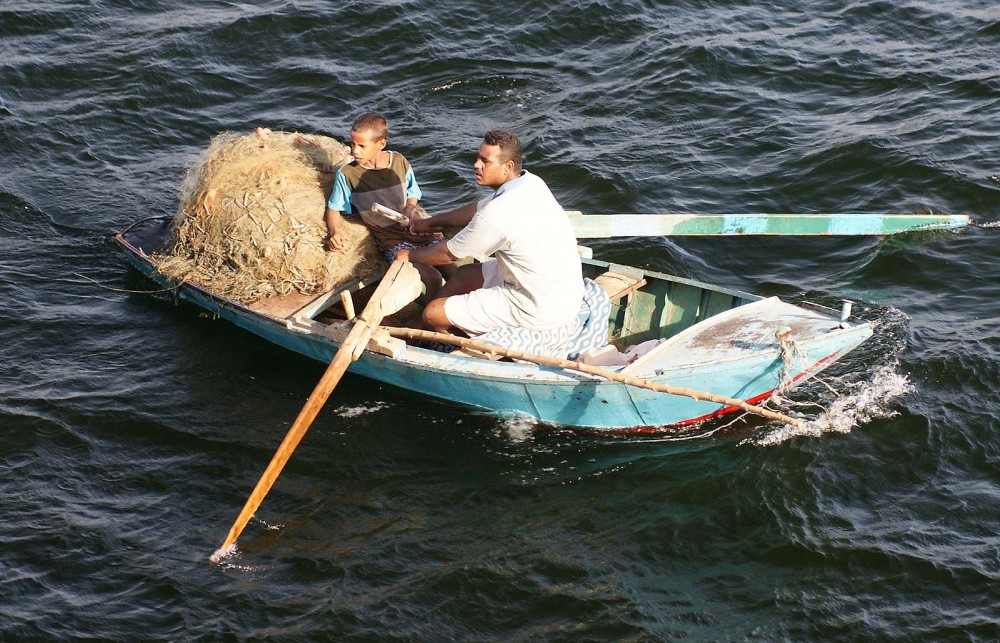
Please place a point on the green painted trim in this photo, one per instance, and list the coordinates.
(604, 226)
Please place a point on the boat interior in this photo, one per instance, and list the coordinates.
(645, 305)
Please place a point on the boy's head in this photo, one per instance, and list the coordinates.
(372, 124)
(368, 138)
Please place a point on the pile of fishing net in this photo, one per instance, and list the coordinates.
(251, 220)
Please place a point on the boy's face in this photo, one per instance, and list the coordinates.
(364, 149)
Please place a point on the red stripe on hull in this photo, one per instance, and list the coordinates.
(645, 430)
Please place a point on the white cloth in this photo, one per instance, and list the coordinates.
(484, 309)
(526, 229)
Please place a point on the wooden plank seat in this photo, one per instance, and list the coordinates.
(618, 285)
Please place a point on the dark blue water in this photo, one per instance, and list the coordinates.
(132, 430)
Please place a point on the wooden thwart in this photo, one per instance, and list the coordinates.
(380, 342)
(618, 285)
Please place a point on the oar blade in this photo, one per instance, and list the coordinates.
(606, 226)
(405, 288)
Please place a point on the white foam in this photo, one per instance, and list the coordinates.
(228, 557)
(228, 560)
(863, 402)
(222, 553)
(358, 411)
(518, 428)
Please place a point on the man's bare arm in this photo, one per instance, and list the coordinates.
(457, 218)
(432, 255)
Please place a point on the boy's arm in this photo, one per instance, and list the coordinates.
(340, 198)
(413, 193)
(335, 239)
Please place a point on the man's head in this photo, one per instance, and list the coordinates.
(369, 136)
(499, 159)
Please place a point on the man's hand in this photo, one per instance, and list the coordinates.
(423, 227)
(403, 255)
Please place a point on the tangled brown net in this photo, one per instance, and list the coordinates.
(251, 219)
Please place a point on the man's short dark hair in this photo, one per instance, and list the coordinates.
(509, 144)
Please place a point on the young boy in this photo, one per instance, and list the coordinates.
(380, 176)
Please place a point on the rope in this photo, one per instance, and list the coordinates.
(125, 290)
(788, 350)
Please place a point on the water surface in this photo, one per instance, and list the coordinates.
(134, 429)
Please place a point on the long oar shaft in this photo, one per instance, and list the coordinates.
(410, 333)
(295, 434)
(400, 285)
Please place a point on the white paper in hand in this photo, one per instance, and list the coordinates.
(392, 215)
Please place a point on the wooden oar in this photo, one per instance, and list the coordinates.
(605, 226)
(410, 333)
(400, 285)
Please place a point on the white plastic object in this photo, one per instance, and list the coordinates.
(389, 213)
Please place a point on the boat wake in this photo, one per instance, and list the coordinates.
(860, 402)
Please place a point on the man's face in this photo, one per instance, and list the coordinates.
(490, 171)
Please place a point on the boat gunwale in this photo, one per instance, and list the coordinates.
(413, 356)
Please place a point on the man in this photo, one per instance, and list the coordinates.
(536, 281)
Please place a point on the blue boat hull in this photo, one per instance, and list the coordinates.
(550, 395)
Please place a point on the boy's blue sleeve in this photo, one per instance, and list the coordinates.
(412, 189)
(340, 197)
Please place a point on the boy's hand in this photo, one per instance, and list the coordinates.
(414, 212)
(335, 241)
(409, 212)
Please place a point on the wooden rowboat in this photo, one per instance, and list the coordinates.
(722, 341)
